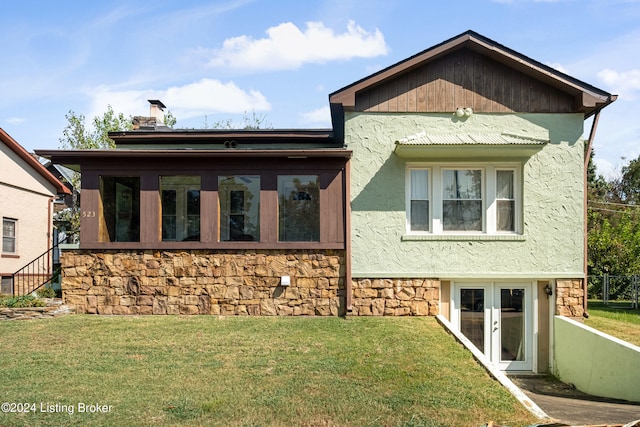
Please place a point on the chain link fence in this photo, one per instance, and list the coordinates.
(621, 291)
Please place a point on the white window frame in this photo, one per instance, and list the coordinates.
(14, 237)
(489, 199)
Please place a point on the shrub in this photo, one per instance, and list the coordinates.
(21, 301)
(46, 292)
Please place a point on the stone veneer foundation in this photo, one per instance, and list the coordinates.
(569, 298)
(396, 297)
(204, 282)
(234, 283)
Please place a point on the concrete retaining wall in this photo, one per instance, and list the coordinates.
(596, 363)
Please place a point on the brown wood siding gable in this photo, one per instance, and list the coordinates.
(464, 78)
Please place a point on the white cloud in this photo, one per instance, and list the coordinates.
(623, 83)
(206, 96)
(320, 116)
(288, 47)
(605, 168)
(559, 67)
(15, 120)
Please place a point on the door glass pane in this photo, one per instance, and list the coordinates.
(512, 325)
(472, 316)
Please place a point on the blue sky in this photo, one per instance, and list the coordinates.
(213, 60)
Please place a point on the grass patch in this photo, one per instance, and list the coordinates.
(619, 322)
(242, 371)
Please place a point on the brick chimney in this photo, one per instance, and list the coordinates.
(156, 117)
(156, 109)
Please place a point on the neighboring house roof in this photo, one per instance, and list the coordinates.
(32, 162)
(452, 76)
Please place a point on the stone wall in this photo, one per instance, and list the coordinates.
(569, 298)
(54, 308)
(396, 297)
(204, 282)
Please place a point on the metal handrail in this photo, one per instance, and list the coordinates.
(38, 273)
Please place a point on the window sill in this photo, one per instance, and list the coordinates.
(10, 256)
(464, 237)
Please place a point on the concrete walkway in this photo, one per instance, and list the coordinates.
(573, 408)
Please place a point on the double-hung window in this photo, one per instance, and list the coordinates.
(418, 212)
(9, 227)
(462, 199)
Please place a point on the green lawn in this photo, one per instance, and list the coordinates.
(242, 371)
(619, 322)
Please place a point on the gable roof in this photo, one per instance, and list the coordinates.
(586, 98)
(31, 161)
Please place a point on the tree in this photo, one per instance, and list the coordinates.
(627, 188)
(76, 136)
(613, 224)
(169, 119)
(251, 121)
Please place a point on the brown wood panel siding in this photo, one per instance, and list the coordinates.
(150, 227)
(464, 78)
(90, 208)
(331, 226)
(209, 209)
(269, 209)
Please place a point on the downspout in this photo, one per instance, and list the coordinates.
(347, 236)
(592, 134)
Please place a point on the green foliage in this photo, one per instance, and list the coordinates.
(21, 302)
(46, 292)
(76, 136)
(169, 119)
(613, 222)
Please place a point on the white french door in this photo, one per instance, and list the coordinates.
(498, 319)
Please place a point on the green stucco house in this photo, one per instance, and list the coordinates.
(451, 183)
(467, 193)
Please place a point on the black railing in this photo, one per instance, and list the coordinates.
(42, 271)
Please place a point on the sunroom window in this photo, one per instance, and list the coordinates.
(120, 216)
(180, 208)
(298, 208)
(239, 207)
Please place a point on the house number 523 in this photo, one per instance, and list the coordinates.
(88, 214)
